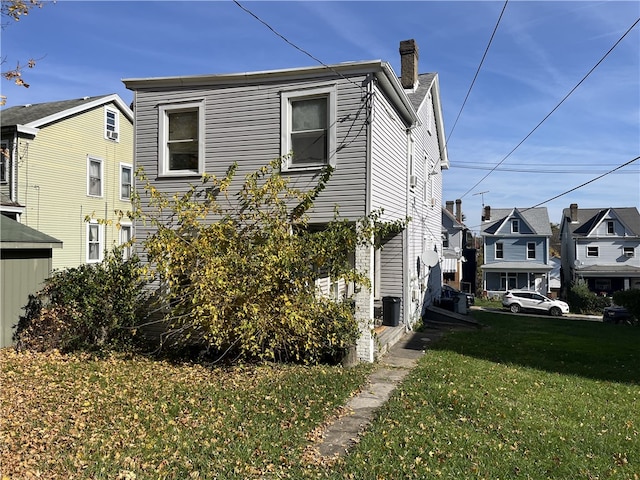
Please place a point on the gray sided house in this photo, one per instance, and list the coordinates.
(602, 247)
(383, 134)
(25, 262)
(516, 250)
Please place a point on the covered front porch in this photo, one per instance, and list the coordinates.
(498, 278)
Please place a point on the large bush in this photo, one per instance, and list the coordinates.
(237, 270)
(630, 299)
(582, 300)
(90, 307)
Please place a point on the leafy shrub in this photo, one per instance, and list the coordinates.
(630, 299)
(238, 274)
(90, 307)
(582, 300)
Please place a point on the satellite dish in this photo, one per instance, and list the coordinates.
(577, 262)
(430, 258)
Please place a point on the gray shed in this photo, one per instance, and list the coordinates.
(25, 262)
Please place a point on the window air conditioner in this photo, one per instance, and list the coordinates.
(413, 181)
(112, 135)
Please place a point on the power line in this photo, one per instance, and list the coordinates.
(477, 72)
(278, 34)
(536, 170)
(555, 108)
(587, 183)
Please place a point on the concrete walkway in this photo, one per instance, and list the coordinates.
(344, 432)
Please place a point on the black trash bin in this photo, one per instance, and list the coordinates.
(391, 311)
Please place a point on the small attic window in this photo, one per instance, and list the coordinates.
(515, 226)
(111, 124)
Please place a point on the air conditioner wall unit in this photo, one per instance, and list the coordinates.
(112, 135)
(413, 181)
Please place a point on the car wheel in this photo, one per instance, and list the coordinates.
(555, 312)
(515, 308)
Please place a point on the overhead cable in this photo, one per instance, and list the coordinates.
(278, 34)
(587, 183)
(477, 72)
(554, 108)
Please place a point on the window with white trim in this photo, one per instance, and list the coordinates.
(126, 234)
(181, 139)
(126, 181)
(531, 250)
(629, 252)
(611, 228)
(111, 123)
(515, 226)
(95, 244)
(95, 175)
(4, 162)
(499, 250)
(308, 128)
(593, 251)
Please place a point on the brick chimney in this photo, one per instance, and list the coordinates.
(408, 63)
(450, 206)
(573, 209)
(459, 210)
(487, 214)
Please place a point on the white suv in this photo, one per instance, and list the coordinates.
(517, 300)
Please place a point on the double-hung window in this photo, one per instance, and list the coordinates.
(111, 123)
(94, 242)
(126, 181)
(531, 250)
(4, 162)
(611, 229)
(308, 128)
(515, 226)
(181, 139)
(95, 175)
(126, 234)
(499, 250)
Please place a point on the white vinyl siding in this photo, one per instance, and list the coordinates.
(181, 139)
(308, 128)
(95, 177)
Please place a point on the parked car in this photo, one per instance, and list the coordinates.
(528, 300)
(450, 292)
(616, 314)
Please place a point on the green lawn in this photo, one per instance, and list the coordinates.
(524, 398)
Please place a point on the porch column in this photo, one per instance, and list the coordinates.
(364, 305)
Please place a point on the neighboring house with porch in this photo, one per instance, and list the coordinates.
(383, 135)
(516, 250)
(456, 240)
(66, 161)
(602, 247)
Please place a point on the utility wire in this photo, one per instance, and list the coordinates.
(476, 75)
(294, 45)
(554, 109)
(587, 183)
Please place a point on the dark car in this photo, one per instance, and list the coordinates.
(450, 292)
(616, 314)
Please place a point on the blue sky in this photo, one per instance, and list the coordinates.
(540, 52)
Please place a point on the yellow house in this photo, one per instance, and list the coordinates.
(65, 162)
